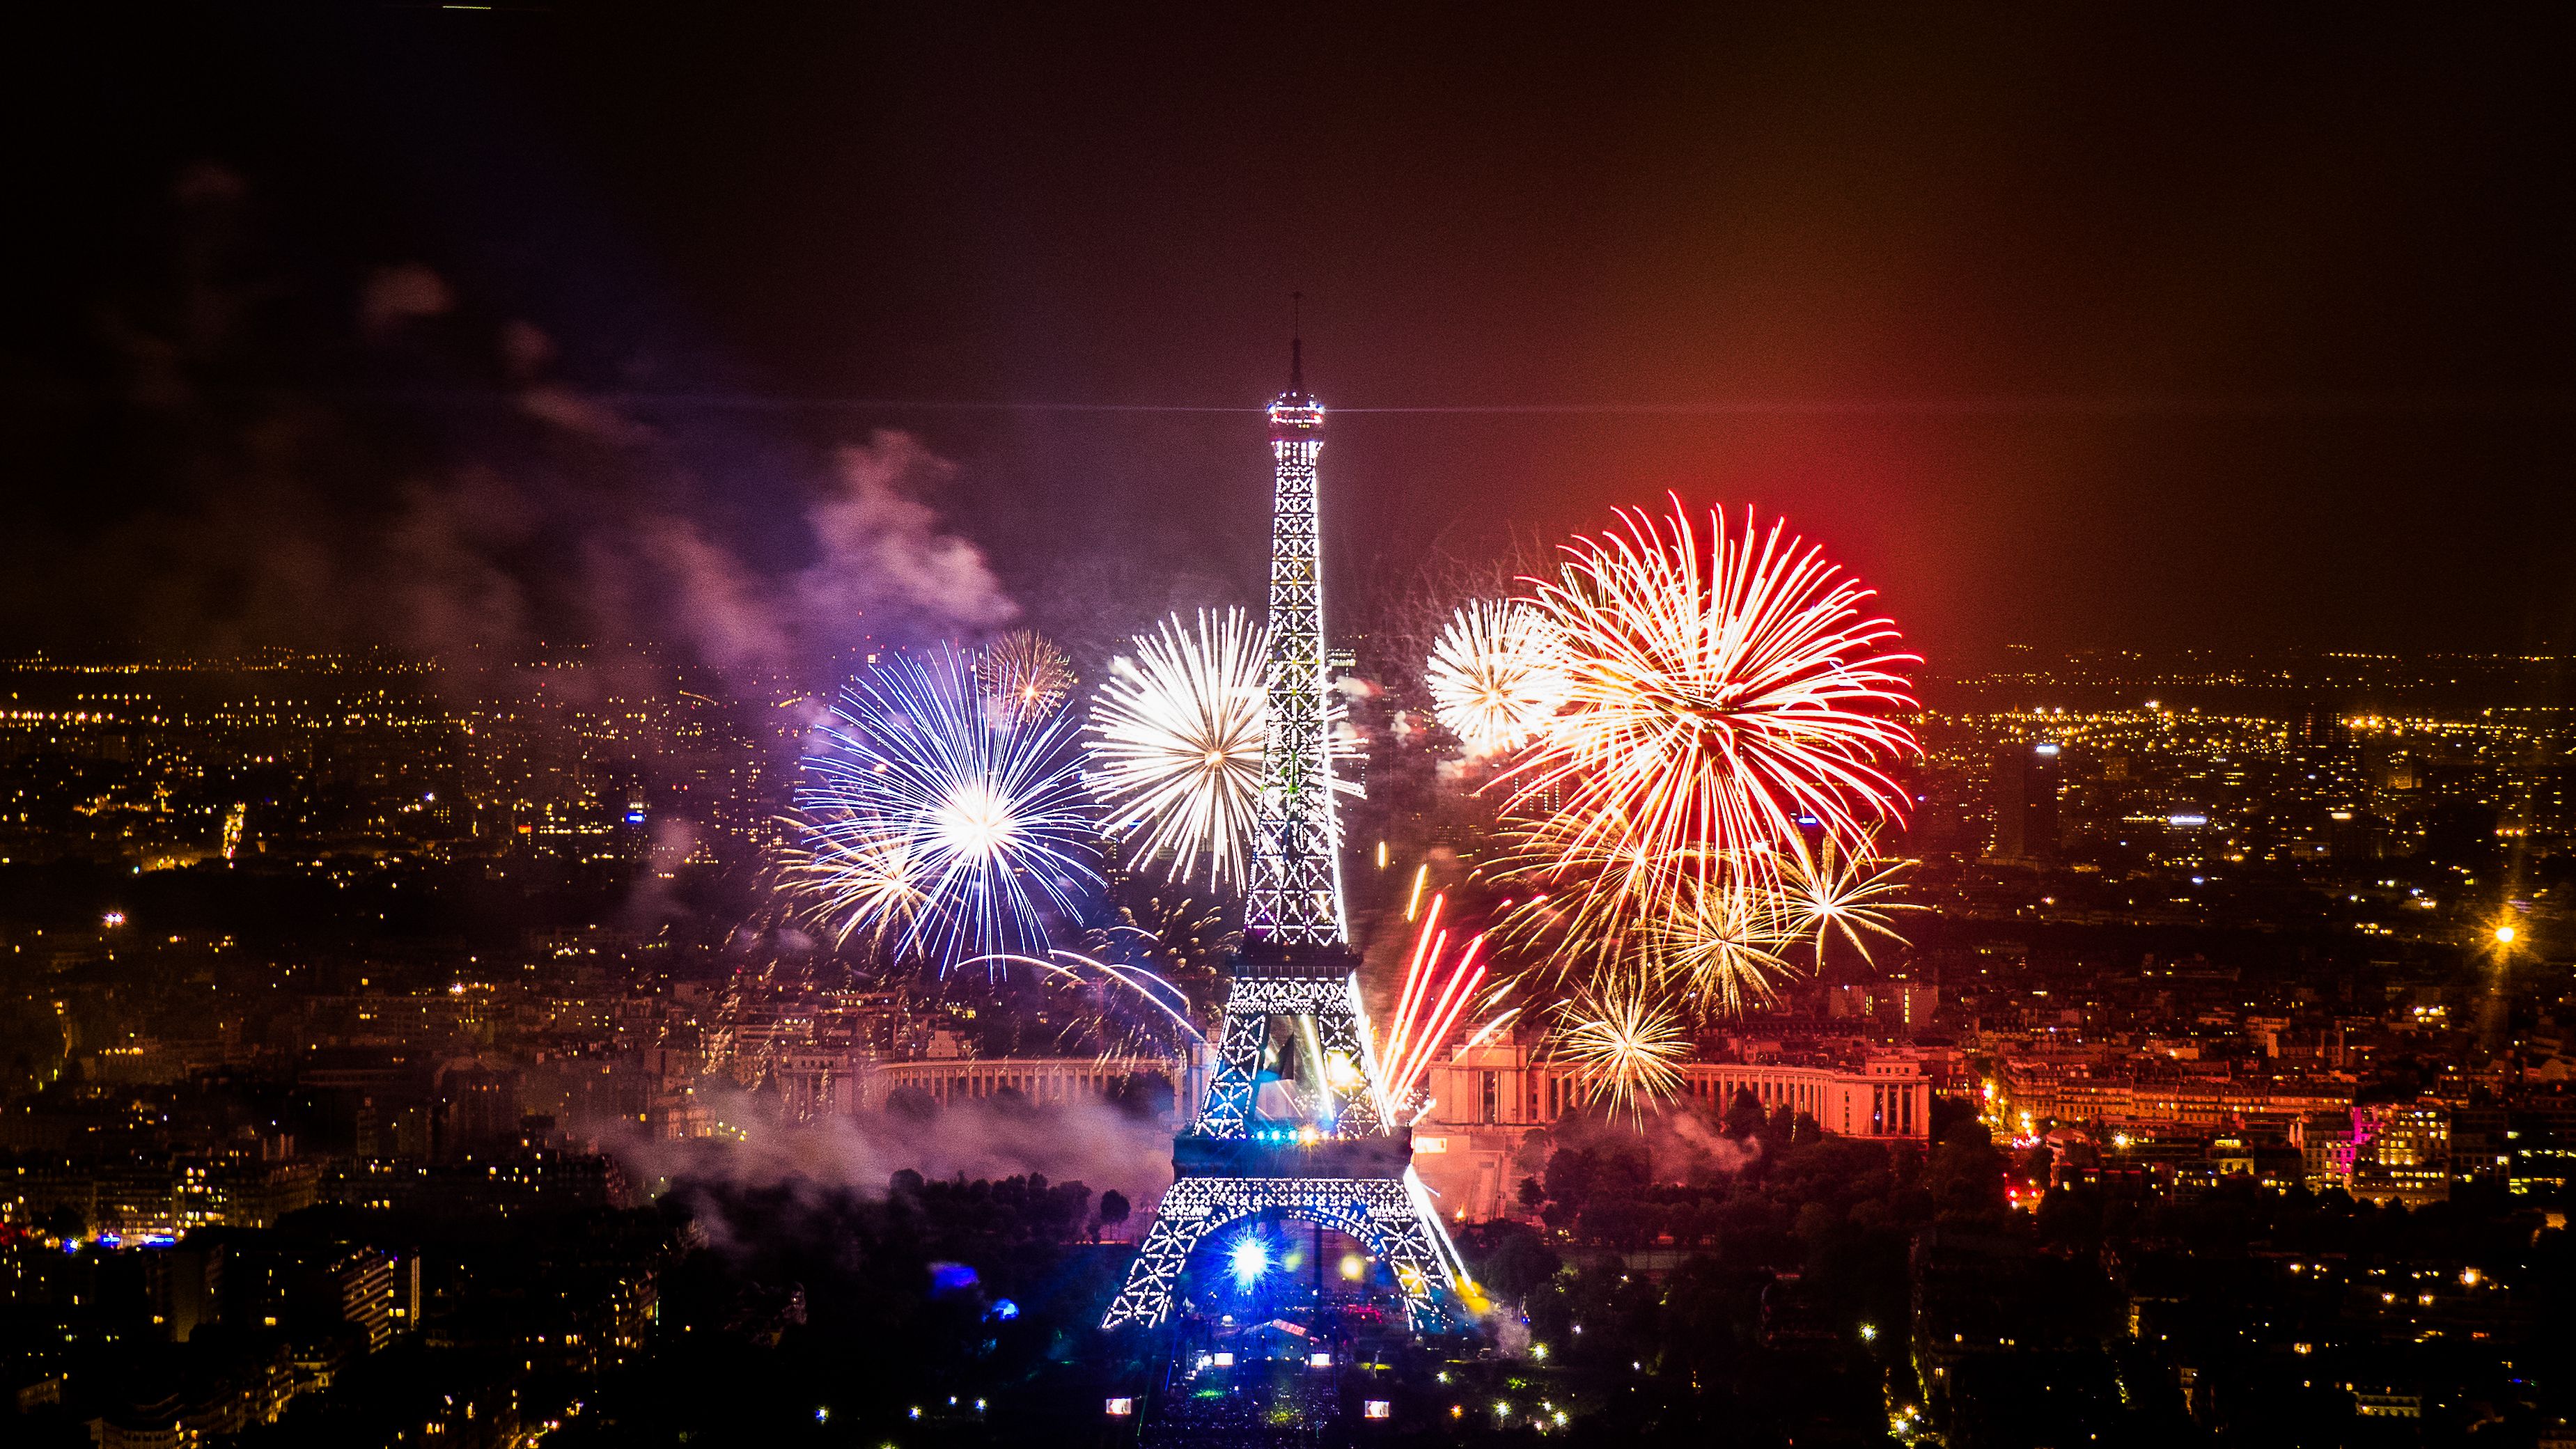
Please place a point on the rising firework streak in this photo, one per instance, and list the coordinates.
(1436, 993)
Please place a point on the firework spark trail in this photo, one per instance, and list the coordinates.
(1177, 735)
(1713, 693)
(1109, 975)
(865, 885)
(1625, 1041)
(1607, 893)
(1485, 1033)
(1434, 995)
(1718, 946)
(1495, 676)
(990, 815)
(1025, 676)
(1825, 891)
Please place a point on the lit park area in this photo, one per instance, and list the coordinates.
(1285, 1331)
(946, 727)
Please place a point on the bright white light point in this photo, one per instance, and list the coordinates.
(975, 821)
(1248, 1261)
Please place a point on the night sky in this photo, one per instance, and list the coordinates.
(2148, 329)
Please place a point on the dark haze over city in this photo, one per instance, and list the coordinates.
(2129, 329)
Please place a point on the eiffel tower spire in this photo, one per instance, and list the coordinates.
(1294, 896)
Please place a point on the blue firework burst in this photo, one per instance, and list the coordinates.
(981, 812)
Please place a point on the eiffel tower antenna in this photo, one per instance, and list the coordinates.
(1296, 342)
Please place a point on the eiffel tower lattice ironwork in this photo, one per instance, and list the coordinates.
(1293, 1125)
(1295, 894)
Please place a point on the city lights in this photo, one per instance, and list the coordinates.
(713, 683)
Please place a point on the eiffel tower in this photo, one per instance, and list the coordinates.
(1293, 1125)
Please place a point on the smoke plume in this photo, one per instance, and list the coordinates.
(1086, 1141)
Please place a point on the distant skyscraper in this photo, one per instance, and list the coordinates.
(2025, 794)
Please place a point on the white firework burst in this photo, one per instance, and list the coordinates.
(1176, 738)
(1495, 676)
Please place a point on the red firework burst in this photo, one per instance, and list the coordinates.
(1717, 687)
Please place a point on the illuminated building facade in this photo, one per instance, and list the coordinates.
(2402, 1153)
(1487, 1100)
(1292, 1124)
(1038, 1079)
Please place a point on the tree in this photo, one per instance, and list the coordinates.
(1519, 1264)
(1949, 1112)
(1569, 1176)
(1966, 1174)
(1621, 1167)
(1114, 1207)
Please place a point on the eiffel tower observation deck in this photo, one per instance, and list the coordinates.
(1294, 1125)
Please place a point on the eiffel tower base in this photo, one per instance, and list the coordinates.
(1345, 1167)
(1383, 1212)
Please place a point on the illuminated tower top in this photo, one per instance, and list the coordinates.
(1295, 893)
(1295, 413)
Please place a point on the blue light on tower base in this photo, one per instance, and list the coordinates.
(1249, 1261)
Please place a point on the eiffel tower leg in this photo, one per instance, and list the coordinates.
(1180, 1222)
(1339, 1033)
(1408, 1243)
(1229, 1101)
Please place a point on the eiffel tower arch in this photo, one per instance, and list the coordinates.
(1292, 1124)
(1323, 1153)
